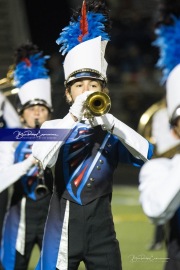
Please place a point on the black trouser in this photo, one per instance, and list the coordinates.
(3, 208)
(92, 238)
(36, 214)
(173, 256)
(159, 234)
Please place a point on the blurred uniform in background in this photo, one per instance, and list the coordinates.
(164, 143)
(160, 177)
(8, 119)
(32, 186)
(154, 126)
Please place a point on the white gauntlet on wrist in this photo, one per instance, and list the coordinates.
(77, 109)
(105, 121)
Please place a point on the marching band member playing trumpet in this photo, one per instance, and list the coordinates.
(80, 224)
(26, 216)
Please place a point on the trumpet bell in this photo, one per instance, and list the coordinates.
(98, 103)
(41, 190)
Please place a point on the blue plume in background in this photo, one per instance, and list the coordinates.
(168, 41)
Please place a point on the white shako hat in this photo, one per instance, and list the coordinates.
(32, 79)
(84, 42)
(36, 92)
(86, 60)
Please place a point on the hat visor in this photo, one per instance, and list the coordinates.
(33, 103)
(85, 75)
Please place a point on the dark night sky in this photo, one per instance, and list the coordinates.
(46, 19)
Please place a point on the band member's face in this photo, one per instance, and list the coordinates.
(82, 86)
(33, 113)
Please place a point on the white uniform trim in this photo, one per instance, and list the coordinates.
(62, 260)
(133, 141)
(20, 241)
(47, 152)
(11, 172)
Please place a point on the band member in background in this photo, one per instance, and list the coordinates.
(159, 178)
(164, 141)
(26, 216)
(8, 119)
(157, 130)
(80, 224)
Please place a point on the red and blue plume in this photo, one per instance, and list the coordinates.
(83, 22)
(30, 65)
(90, 23)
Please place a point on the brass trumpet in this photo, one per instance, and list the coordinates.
(97, 104)
(7, 84)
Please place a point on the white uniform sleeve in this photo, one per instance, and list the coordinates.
(160, 188)
(9, 172)
(47, 152)
(134, 142)
(9, 113)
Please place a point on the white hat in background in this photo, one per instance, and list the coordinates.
(173, 93)
(31, 76)
(168, 42)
